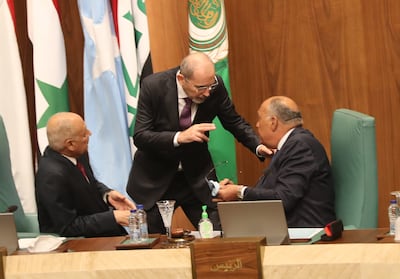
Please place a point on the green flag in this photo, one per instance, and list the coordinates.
(208, 34)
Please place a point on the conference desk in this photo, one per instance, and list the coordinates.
(357, 254)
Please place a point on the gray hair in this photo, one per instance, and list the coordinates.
(284, 113)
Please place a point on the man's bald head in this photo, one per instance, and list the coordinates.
(276, 116)
(197, 63)
(65, 127)
(284, 108)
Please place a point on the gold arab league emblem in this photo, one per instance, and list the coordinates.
(207, 25)
(204, 14)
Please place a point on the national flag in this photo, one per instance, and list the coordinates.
(208, 34)
(142, 38)
(131, 28)
(49, 63)
(13, 108)
(104, 97)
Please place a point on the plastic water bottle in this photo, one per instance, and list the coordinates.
(134, 231)
(205, 225)
(393, 212)
(142, 220)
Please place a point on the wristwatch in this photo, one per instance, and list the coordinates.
(240, 192)
(105, 197)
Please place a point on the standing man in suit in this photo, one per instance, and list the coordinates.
(71, 202)
(172, 159)
(299, 173)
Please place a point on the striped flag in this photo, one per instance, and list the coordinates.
(142, 38)
(104, 96)
(49, 63)
(208, 34)
(13, 109)
(131, 28)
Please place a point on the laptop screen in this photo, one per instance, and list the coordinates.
(254, 218)
(8, 232)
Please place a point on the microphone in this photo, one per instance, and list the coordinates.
(212, 184)
(11, 209)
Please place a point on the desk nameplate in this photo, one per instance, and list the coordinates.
(225, 257)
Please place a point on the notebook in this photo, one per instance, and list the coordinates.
(254, 218)
(8, 232)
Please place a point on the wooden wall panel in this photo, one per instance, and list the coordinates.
(168, 28)
(293, 48)
(383, 79)
(324, 54)
(74, 47)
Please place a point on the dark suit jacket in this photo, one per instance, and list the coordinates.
(157, 121)
(67, 204)
(300, 176)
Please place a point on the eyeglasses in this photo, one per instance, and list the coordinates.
(203, 88)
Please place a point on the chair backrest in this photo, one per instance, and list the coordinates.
(8, 192)
(354, 168)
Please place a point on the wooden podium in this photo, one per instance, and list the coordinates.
(227, 257)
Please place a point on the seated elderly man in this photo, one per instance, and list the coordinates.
(299, 173)
(70, 201)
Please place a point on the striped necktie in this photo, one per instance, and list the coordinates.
(185, 120)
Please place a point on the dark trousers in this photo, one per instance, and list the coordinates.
(184, 197)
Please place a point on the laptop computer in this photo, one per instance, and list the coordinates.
(254, 218)
(8, 232)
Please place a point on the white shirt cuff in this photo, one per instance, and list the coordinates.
(257, 153)
(176, 144)
(240, 193)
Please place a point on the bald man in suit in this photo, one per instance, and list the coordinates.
(70, 200)
(299, 173)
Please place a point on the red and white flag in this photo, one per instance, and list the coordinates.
(49, 63)
(13, 108)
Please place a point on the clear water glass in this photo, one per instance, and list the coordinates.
(166, 208)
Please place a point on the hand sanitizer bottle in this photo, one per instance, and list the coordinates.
(205, 226)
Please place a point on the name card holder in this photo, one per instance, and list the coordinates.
(227, 257)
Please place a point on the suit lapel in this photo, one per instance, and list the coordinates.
(273, 161)
(171, 100)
